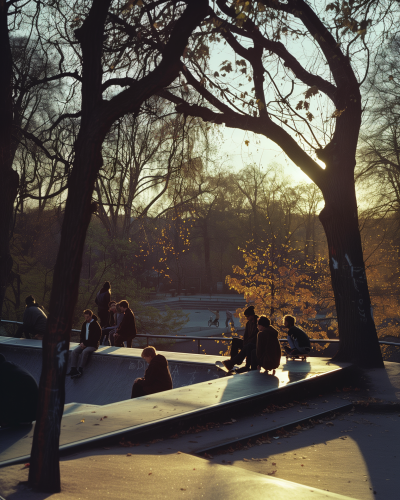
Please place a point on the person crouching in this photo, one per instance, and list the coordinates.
(267, 355)
(157, 377)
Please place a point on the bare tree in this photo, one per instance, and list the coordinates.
(306, 98)
(163, 29)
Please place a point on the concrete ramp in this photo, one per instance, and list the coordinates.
(111, 371)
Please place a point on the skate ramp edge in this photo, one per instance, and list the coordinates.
(111, 371)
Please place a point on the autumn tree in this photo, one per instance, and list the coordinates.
(292, 73)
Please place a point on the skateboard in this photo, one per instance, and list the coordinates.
(293, 357)
(220, 365)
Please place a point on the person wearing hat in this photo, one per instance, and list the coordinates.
(34, 320)
(245, 345)
(267, 354)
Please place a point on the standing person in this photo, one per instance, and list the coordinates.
(229, 318)
(34, 320)
(246, 345)
(216, 313)
(89, 342)
(157, 377)
(268, 351)
(126, 331)
(102, 300)
(298, 340)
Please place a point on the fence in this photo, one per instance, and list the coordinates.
(215, 339)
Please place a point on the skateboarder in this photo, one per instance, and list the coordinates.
(19, 394)
(216, 313)
(89, 342)
(157, 377)
(268, 352)
(298, 340)
(246, 345)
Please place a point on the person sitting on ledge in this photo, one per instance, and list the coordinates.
(89, 342)
(267, 355)
(157, 377)
(126, 331)
(34, 320)
(298, 340)
(19, 394)
(247, 345)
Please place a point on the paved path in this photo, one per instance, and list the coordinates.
(153, 477)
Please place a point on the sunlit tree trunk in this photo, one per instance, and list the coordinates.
(357, 332)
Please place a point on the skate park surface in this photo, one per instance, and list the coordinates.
(166, 468)
(351, 454)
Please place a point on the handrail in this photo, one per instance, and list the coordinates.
(219, 339)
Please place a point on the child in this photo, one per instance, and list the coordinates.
(157, 377)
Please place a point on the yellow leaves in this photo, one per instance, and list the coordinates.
(260, 104)
(240, 19)
(311, 91)
(130, 4)
(217, 22)
(261, 7)
(247, 142)
(226, 66)
(338, 112)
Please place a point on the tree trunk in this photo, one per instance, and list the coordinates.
(357, 333)
(9, 178)
(44, 472)
(96, 119)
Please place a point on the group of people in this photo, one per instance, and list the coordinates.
(115, 325)
(260, 346)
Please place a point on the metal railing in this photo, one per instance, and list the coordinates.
(215, 339)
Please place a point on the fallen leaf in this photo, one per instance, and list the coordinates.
(27, 466)
(129, 454)
(273, 463)
(276, 437)
(83, 420)
(150, 473)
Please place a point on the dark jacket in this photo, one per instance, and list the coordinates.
(127, 328)
(250, 332)
(300, 336)
(19, 394)
(102, 299)
(34, 319)
(94, 333)
(268, 349)
(157, 377)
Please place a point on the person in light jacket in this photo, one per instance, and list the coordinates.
(89, 342)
